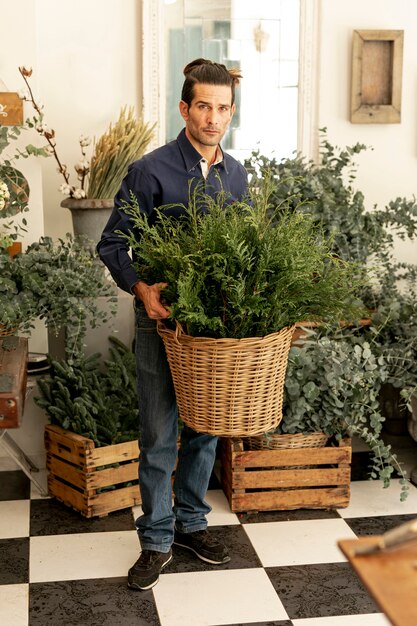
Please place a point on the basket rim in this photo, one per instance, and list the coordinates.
(287, 440)
(182, 337)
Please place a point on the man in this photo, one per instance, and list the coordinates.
(165, 176)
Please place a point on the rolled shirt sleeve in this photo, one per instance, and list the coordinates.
(113, 247)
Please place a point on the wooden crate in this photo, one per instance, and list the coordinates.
(272, 480)
(77, 471)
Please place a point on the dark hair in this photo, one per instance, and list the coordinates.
(208, 73)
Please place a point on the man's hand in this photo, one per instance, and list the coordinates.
(151, 298)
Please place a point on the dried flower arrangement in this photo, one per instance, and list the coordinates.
(100, 176)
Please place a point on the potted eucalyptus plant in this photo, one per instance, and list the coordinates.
(60, 283)
(332, 386)
(325, 190)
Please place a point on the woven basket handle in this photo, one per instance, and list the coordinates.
(178, 331)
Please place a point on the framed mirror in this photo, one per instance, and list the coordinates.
(265, 40)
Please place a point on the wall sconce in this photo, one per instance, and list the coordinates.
(260, 37)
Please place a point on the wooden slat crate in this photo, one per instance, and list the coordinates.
(77, 469)
(272, 480)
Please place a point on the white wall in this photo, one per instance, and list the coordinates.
(390, 169)
(88, 67)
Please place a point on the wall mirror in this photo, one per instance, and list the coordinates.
(261, 38)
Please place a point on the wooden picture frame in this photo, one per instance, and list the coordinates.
(377, 60)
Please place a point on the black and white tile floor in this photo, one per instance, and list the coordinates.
(59, 569)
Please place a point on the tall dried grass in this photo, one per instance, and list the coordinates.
(123, 143)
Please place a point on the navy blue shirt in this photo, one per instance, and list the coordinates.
(161, 177)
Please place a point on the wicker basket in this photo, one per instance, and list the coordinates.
(285, 441)
(5, 331)
(228, 387)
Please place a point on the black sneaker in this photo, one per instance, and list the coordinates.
(144, 574)
(204, 545)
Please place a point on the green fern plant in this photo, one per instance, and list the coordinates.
(243, 269)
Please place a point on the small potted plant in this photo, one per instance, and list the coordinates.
(91, 441)
(58, 282)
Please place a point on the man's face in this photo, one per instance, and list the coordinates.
(209, 115)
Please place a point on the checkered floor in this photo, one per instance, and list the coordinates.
(59, 569)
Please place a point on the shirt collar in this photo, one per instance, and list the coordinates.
(190, 155)
(218, 158)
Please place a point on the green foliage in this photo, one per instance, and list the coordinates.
(330, 382)
(395, 324)
(325, 191)
(332, 385)
(59, 282)
(241, 269)
(17, 307)
(80, 396)
(17, 185)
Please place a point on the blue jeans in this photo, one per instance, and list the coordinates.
(158, 415)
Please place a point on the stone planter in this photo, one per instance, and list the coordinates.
(89, 215)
